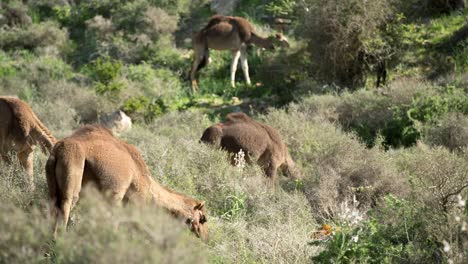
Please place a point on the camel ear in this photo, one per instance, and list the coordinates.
(199, 206)
(279, 36)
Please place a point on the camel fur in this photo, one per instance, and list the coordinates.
(20, 131)
(93, 155)
(259, 141)
(229, 33)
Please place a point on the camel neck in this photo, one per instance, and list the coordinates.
(260, 41)
(176, 203)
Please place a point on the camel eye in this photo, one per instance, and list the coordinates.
(189, 221)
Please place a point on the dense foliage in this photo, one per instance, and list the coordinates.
(384, 169)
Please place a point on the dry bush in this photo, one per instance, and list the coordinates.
(157, 22)
(35, 36)
(337, 165)
(14, 14)
(103, 27)
(341, 35)
(437, 175)
(99, 233)
(127, 234)
(451, 132)
(25, 235)
(366, 112)
(242, 211)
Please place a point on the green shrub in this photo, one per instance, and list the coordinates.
(104, 70)
(105, 73)
(160, 82)
(339, 166)
(143, 109)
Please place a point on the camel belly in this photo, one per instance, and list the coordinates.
(218, 43)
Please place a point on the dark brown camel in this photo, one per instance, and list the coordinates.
(259, 141)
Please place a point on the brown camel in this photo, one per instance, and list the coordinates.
(20, 131)
(257, 140)
(93, 155)
(229, 33)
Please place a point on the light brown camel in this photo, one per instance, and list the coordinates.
(229, 33)
(93, 155)
(259, 141)
(20, 131)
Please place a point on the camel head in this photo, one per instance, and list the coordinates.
(278, 40)
(289, 168)
(197, 221)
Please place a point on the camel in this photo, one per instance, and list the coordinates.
(259, 141)
(93, 155)
(20, 131)
(229, 33)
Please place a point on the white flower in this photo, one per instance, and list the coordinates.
(355, 238)
(461, 202)
(446, 246)
(457, 218)
(463, 227)
(239, 160)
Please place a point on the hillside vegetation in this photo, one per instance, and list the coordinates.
(385, 169)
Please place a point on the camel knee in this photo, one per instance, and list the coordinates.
(117, 197)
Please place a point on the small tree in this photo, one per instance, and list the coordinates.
(346, 38)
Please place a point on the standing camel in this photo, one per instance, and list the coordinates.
(229, 33)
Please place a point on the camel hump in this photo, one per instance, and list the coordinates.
(216, 19)
(237, 116)
(93, 129)
(241, 24)
(244, 27)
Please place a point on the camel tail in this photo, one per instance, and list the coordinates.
(43, 136)
(52, 180)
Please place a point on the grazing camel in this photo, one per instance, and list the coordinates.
(20, 131)
(229, 33)
(257, 140)
(93, 155)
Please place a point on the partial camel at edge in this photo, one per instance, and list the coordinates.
(93, 155)
(20, 131)
(229, 33)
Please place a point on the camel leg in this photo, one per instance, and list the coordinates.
(270, 172)
(116, 197)
(245, 65)
(236, 55)
(193, 71)
(26, 159)
(69, 176)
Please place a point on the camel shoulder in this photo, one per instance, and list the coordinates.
(22, 115)
(238, 117)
